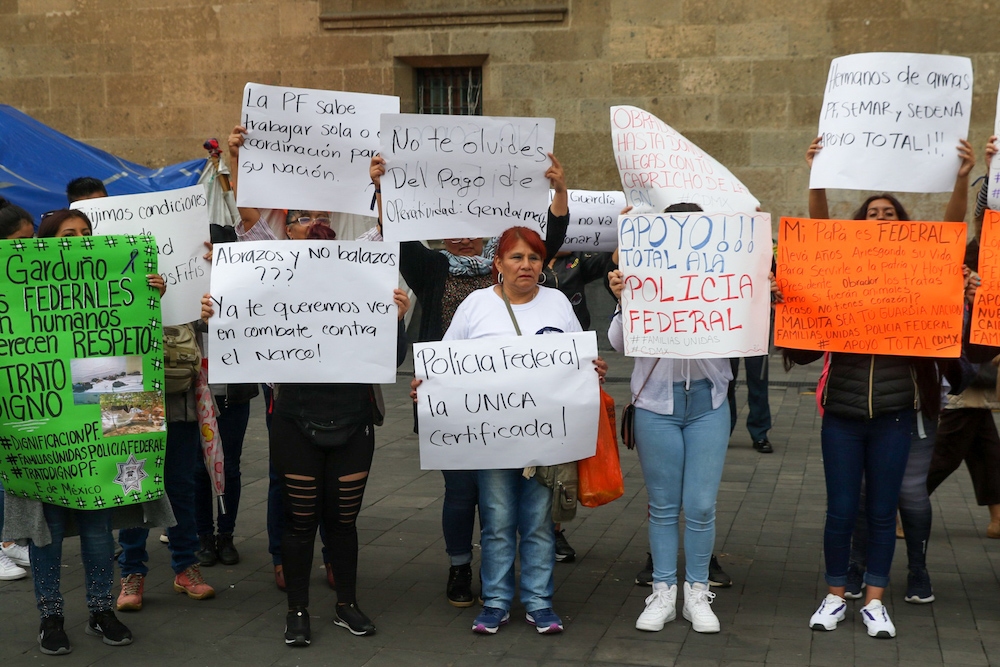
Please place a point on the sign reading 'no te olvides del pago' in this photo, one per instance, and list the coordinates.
(82, 420)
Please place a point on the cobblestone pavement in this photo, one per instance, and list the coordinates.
(770, 519)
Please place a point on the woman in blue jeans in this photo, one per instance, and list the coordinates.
(869, 408)
(512, 504)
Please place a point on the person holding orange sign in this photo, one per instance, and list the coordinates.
(869, 413)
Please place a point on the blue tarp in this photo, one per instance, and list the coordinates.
(36, 163)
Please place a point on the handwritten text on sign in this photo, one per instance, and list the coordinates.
(892, 121)
(507, 402)
(659, 167)
(309, 149)
(870, 286)
(463, 176)
(593, 220)
(304, 311)
(993, 189)
(695, 284)
(178, 219)
(986, 310)
(82, 421)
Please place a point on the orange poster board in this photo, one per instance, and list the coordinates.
(986, 309)
(870, 286)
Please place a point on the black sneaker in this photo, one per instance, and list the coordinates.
(645, 575)
(460, 585)
(297, 628)
(855, 582)
(918, 587)
(227, 553)
(52, 639)
(763, 446)
(564, 552)
(716, 575)
(351, 617)
(105, 624)
(206, 555)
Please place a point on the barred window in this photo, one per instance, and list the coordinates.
(450, 90)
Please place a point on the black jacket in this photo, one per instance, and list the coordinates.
(570, 275)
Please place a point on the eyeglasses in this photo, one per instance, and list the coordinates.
(305, 220)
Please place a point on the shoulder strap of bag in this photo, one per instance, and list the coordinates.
(646, 380)
(510, 310)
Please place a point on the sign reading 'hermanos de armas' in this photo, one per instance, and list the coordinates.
(82, 420)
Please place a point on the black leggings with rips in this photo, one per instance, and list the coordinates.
(320, 483)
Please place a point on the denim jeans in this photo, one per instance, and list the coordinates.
(875, 450)
(510, 505)
(97, 550)
(682, 456)
(915, 513)
(759, 418)
(458, 514)
(182, 458)
(232, 428)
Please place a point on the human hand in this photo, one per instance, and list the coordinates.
(402, 300)
(376, 169)
(814, 148)
(155, 280)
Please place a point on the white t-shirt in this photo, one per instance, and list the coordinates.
(484, 314)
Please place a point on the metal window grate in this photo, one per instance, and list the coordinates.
(450, 90)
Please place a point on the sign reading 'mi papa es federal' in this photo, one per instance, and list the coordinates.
(82, 420)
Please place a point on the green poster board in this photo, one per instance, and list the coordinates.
(82, 421)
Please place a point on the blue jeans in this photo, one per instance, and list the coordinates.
(182, 458)
(458, 514)
(914, 503)
(97, 550)
(759, 417)
(682, 456)
(510, 505)
(875, 450)
(232, 422)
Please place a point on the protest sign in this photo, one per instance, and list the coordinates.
(178, 220)
(309, 149)
(463, 176)
(659, 167)
(695, 285)
(986, 309)
(507, 401)
(870, 286)
(304, 311)
(82, 421)
(993, 189)
(892, 121)
(593, 220)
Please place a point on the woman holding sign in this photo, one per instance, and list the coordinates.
(512, 502)
(869, 412)
(442, 280)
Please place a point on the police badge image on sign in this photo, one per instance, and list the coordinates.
(82, 420)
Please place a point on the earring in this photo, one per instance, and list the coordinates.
(543, 277)
(500, 279)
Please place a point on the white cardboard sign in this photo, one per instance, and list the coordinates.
(892, 121)
(309, 149)
(179, 221)
(593, 220)
(304, 311)
(660, 167)
(993, 187)
(696, 285)
(507, 401)
(463, 176)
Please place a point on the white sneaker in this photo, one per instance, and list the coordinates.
(698, 608)
(831, 611)
(9, 570)
(877, 621)
(18, 554)
(661, 608)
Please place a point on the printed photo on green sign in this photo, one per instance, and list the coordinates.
(82, 420)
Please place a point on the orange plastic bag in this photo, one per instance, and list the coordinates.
(601, 475)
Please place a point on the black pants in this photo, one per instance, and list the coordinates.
(327, 483)
(969, 434)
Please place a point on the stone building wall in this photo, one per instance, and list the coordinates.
(151, 79)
